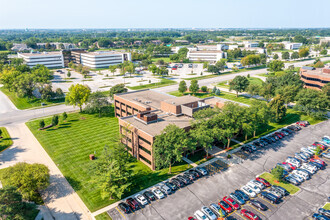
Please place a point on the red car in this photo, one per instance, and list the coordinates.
(225, 206)
(302, 123)
(191, 218)
(231, 202)
(317, 144)
(249, 215)
(278, 135)
(318, 161)
(263, 181)
(132, 203)
(290, 165)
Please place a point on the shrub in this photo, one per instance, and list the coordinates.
(277, 172)
(55, 120)
(217, 92)
(41, 123)
(204, 88)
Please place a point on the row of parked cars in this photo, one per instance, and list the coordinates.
(180, 65)
(322, 214)
(162, 190)
(239, 197)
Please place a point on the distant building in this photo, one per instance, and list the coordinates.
(20, 47)
(156, 42)
(48, 59)
(232, 46)
(315, 78)
(211, 56)
(255, 49)
(292, 46)
(325, 40)
(249, 44)
(103, 59)
(182, 42)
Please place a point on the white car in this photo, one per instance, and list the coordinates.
(200, 215)
(258, 184)
(253, 187)
(309, 167)
(209, 213)
(301, 173)
(202, 170)
(159, 194)
(298, 178)
(141, 199)
(248, 191)
(294, 162)
(307, 151)
(165, 189)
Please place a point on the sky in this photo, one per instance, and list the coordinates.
(18, 14)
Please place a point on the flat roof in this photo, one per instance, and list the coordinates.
(146, 98)
(41, 54)
(182, 100)
(206, 51)
(318, 72)
(100, 53)
(155, 128)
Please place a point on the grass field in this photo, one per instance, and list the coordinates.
(252, 80)
(289, 187)
(103, 216)
(163, 82)
(26, 103)
(166, 59)
(70, 144)
(327, 206)
(5, 141)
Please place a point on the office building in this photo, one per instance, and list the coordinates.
(48, 59)
(315, 78)
(103, 59)
(292, 46)
(211, 56)
(249, 44)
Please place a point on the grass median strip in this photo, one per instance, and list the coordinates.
(163, 82)
(289, 187)
(6, 140)
(327, 206)
(103, 216)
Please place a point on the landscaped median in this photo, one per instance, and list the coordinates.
(163, 82)
(5, 141)
(103, 216)
(289, 187)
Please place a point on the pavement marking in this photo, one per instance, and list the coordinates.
(120, 213)
(231, 213)
(241, 216)
(256, 209)
(266, 201)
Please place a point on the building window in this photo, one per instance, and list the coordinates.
(118, 115)
(146, 160)
(123, 110)
(135, 110)
(145, 150)
(148, 142)
(118, 108)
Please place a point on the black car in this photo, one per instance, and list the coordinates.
(190, 176)
(317, 216)
(124, 207)
(177, 182)
(247, 148)
(258, 205)
(287, 130)
(266, 139)
(258, 144)
(184, 179)
(324, 212)
(270, 197)
(242, 194)
(281, 190)
(149, 195)
(195, 173)
(172, 186)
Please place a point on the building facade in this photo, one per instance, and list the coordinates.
(315, 78)
(103, 59)
(48, 59)
(211, 56)
(292, 46)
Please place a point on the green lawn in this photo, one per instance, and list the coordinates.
(252, 80)
(166, 59)
(6, 141)
(70, 144)
(327, 206)
(103, 216)
(198, 157)
(162, 83)
(289, 187)
(26, 103)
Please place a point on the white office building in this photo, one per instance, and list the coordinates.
(249, 44)
(211, 56)
(292, 46)
(103, 59)
(48, 59)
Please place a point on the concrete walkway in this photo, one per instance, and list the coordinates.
(189, 161)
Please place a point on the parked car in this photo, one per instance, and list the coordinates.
(307, 151)
(326, 155)
(124, 207)
(242, 194)
(237, 198)
(249, 215)
(190, 176)
(324, 212)
(209, 213)
(216, 209)
(195, 173)
(231, 202)
(280, 134)
(301, 157)
(170, 185)
(191, 218)
(281, 190)
(258, 184)
(302, 123)
(285, 166)
(317, 216)
(190, 65)
(275, 137)
(133, 203)
(202, 170)
(247, 148)
(270, 197)
(293, 161)
(319, 166)
(298, 178)
(290, 165)
(319, 161)
(294, 128)
(320, 145)
(141, 199)
(309, 167)
(326, 139)
(177, 182)
(302, 174)
(274, 192)
(159, 194)
(248, 191)
(185, 180)
(292, 180)
(149, 195)
(225, 206)
(258, 205)
(200, 215)
(253, 187)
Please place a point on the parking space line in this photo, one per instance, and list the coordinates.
(120, 212)
(241, 216)
(256, 209)
(231, 213)
(266, 201)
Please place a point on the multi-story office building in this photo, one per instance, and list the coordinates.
(315, 78)
(211, 56)
(292, 46)
(103, 59)
(249, 44)
(144, 114)
(48, 59)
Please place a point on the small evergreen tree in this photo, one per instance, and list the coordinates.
(217, 92)
(41, 124)
(55, 120)
(64, 116)
(214, 90)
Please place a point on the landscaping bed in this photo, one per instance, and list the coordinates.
(103, 216)
(162, 83)
(289, 187)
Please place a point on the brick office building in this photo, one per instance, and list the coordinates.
(315, 78)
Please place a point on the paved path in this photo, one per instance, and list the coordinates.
(6, 105)
(189, 161)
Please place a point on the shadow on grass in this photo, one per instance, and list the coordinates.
(74, 183)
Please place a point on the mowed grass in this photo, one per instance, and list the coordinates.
(73, 141)
(26, 103)
(327, 206)
(292, 189)
(6, 140)
(103, 216)
(163, 82)
(252, 80)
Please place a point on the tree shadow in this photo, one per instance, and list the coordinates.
(10, 154)
(56, 214)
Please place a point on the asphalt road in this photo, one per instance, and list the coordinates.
(312, 195)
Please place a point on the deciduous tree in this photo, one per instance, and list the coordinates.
(78, 95)
(239, 84)
(182, 86)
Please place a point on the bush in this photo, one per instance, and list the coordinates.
(277, 172)
(217, 92)
(64, 116)
(204, 88)
(55, 120)
(41, 123)
(248, 75)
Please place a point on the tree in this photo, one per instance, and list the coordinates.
(303, 52)
(275, 57)
(41, 124)
(169, 146)
(205, 65)
(294, 55)
(113, 69)
(285, 55)
(119, 88)
(68, 74)
(212, 69)
(217, 92)
(64, 116)
(251, 60)
(55, 120)
(277, 106)
(28, 178)
(220, 65)
(97, 102)
(182, 86)
(194, 87)
(239, 84)
(204, 88)
(319, 64)
(260, 115)
(59, 93)
(112, 174)
(276, 65)
(214, 89)
(324, 52)
(288, 93)
(203, 136)
(78, 95)
(277, 172)
(253, 89)
(325, 90)
(12, 205)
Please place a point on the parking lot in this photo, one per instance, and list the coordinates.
(224, 180)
